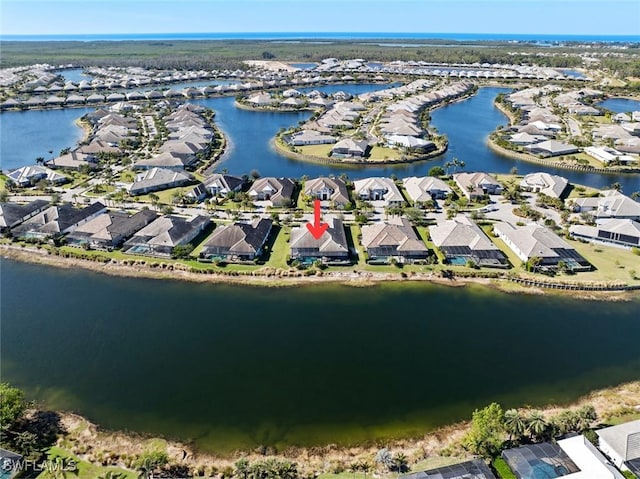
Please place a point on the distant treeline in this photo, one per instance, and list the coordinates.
(224, 54)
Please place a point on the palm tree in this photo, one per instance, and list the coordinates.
(536, 424)
(515, 424)
(40, 160)
(616, 186)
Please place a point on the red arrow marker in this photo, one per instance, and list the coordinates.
(317, 229)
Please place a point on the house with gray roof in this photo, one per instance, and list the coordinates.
(310, 137)
(109, 229)
(426, 188)
(274, 191)
(157, 179)
(475, 469)
(57, 220)
(333, 191)
(160, 237)
(536, 241)
(30, 175)
(461, 240)
(73, 160)
(610, 204)
(541, 182)
(378, 189)
(12, 214)
(551, 148)
(349, 147)
(238, 242)
(166, 160)
(222, 184)
(621, 444)
(612, 232)
(393, 239)
(476, 185)
(330, 248)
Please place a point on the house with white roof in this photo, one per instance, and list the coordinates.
(476, 185)
(536, 241)
(550, 185)
(610, 204)
(426, 188)
(621, 444)
(612, 232)
(607, 154)
(378, 189)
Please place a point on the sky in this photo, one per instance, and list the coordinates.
(570, 17)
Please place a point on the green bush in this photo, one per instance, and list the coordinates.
(502, 469)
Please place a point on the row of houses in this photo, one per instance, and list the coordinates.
(574, 457)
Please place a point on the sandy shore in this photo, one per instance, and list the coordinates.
(612, 402)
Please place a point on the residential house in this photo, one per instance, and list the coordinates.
(550, 185)
(410, 143)
(393, 239)
(349, 147)
(222, 184)
(12, 214)
(261, 99)
(238, 242)
(610, 204)
(476, 185)
(157, 179)
(275, 191)
(526, 139)
(621, 444)
(552, 148)
(536, 241)
(426, 188)
(378, 189)
(74, 160)
(613, 232)
(332, 190)
(30, 175)
(461, 240)
(160, 237)
(57, 220)
(606, 155)
(310, 137)
(330, 248)
(110, 229)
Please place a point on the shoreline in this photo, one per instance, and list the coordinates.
(441, 443)
(272, 278)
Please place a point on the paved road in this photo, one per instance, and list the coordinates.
(574, 127)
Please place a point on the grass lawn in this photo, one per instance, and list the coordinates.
(611, 263)
(383, 153)
(86, 470)
(600, 119)
(127, 176)
(503, 470)
(280, 249)
(321, 151)
(580, 191)
(614, 421)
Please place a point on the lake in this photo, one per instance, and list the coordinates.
(620, 105)
(238, 366)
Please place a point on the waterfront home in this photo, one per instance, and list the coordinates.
(425, 189)
(274, 191)
(30, 175)
(540, 182)
(74, 160)
(524, 138)
(613, 232)
(476, 185)
(98, 146)
(57, 220)
(161, 236)
(551, 148)
(536, 241)
(95, 98)
(394, 239)
(410, 143)
(12, 464)
(350, 148)
(238, 242)
(607, 132)
(10, 103)
(12, 214)
(621, 117)
(378, 189)
(330, 248)
(310, 137)
(621, 444)
(292, 103)
(610, 204)
(157, 179)
(109, 229)
(628, 145)
(320, 102)
(476, 469)
(607, 154)
(460, 240)
(261, 99)
(333, 190)
(165, 160)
